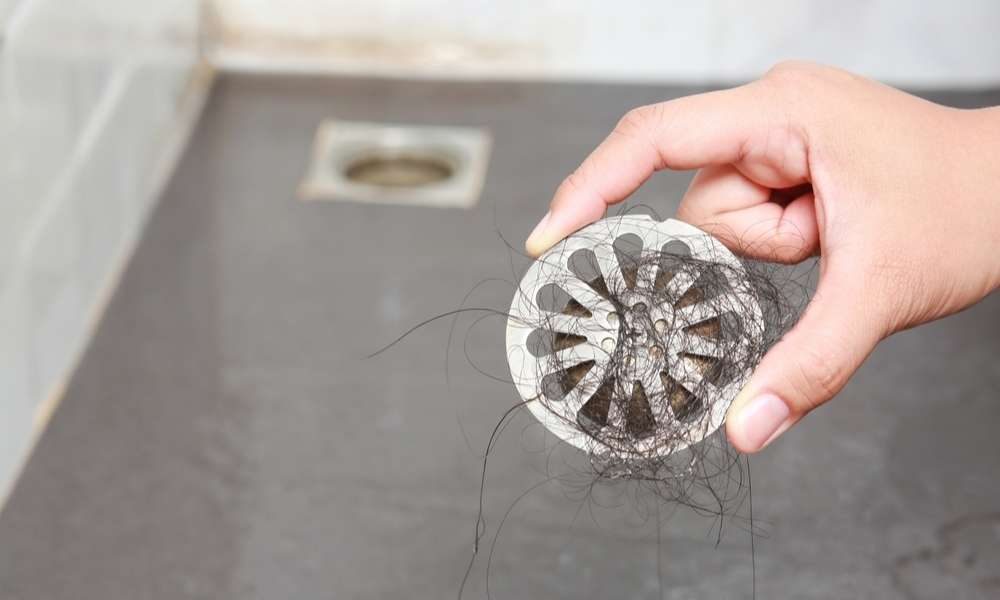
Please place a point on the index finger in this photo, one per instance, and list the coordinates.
(686, 133)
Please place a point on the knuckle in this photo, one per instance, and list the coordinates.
(816, 376)
(572, 183)
(802, 90)
(569, 188)
(790, 69)
(786, 244)
(792, 79)
(639, 120)
(797, 77)
(790, 253)
(645, 125)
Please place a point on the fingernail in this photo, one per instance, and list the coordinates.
(759, 420)
(536, 243)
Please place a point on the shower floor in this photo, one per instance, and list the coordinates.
(225, 438)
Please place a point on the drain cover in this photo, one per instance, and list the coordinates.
(397, 164)
(625, 360)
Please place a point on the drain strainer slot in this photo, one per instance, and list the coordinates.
(397, 164)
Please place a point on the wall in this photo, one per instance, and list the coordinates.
(931, 44)
(91, 95)
(6, 8)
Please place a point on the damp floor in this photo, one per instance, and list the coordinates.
(225, 438)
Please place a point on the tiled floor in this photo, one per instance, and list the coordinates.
(224, 438)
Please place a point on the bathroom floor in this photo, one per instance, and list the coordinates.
(224, 436)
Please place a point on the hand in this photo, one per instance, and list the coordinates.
(900, 198)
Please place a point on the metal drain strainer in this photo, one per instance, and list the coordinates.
(618, 349)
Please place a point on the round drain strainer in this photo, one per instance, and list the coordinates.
(632, 336)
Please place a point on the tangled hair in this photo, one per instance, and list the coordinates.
(630, 340)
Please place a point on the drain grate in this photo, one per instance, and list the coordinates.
(619, 350)
(397, 164)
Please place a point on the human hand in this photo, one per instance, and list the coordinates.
(900, 198)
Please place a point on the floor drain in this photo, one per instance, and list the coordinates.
(399, 170)
(397, 164)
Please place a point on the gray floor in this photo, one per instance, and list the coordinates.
(224, 439)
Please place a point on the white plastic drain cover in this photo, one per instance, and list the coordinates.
(607, 370)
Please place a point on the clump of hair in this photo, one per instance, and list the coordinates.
(634, 346)
(635, 366)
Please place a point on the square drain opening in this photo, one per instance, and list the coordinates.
(397, 164)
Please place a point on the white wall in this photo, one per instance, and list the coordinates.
(6, 8)
(912, 42)
(91, 92)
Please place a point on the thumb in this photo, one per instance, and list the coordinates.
(808, 366)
